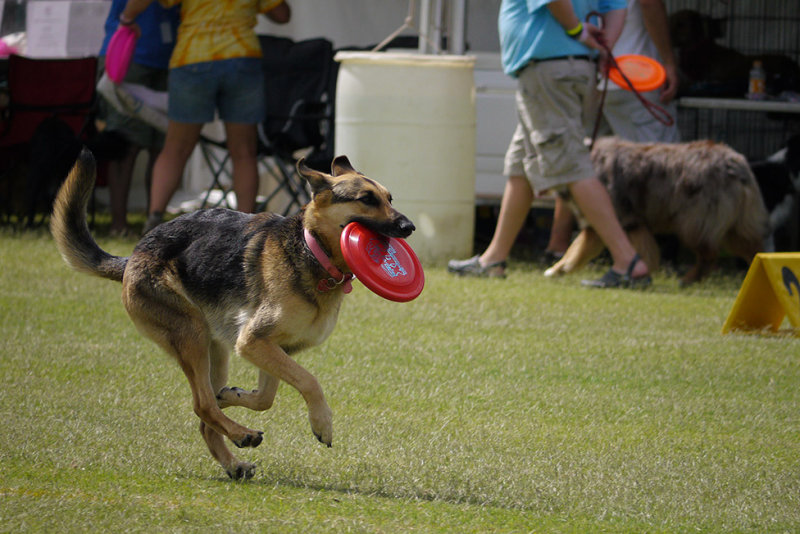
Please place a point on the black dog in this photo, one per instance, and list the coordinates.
(778, 179)
(709, 69)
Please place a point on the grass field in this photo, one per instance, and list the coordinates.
(483, 406)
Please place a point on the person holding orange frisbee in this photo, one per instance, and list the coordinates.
(646, 33)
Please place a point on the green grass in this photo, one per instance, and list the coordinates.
(483, 406)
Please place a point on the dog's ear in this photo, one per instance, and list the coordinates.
(318, 181)
(341, 165)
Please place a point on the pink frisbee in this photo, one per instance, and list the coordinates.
(386, 265)
(119, 53)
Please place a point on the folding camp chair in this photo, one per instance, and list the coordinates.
(51, 102)
(299, 92)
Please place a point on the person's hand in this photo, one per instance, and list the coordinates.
(130, 23)
(593, 37)
(280, 14)
(670, 87)
(137, 29)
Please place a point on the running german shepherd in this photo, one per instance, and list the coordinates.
(215, 280)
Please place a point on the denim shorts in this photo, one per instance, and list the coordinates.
(234, 87)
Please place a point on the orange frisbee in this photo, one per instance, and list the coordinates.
(646, 74)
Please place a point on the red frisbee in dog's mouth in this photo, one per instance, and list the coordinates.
(646, 74)
(119, 53)
(386, 265)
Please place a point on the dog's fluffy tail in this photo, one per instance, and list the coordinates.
(69, 227)
(750, 232)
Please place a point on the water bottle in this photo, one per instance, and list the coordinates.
(758, 82)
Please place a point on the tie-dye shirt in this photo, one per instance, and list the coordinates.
(211, 30)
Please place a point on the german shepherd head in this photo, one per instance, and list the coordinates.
(346, 196)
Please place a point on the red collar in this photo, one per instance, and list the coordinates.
(337, 276)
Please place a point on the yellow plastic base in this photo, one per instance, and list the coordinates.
(770, 292)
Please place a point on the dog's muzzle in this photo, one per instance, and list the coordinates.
(404, 227)
(400, 226)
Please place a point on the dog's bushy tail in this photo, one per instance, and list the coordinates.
(69, 227)
(751, 230)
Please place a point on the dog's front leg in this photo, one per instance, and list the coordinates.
(271, 358)
(646, 245)
(586, 246)
(258, 399)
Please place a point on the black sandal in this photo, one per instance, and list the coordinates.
(614, 279)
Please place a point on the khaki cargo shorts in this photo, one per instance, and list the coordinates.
(554, 104)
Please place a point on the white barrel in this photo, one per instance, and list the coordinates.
(408, 121)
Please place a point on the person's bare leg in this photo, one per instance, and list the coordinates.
(561, 230)
(120, 173)
(152, 156)
(514, 208)
(168, 169)
(595, 204)
(242, 148)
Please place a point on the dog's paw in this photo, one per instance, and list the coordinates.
(242, 470)
(230, 396)
(249, 440)
(552, 272)
(322, 424)
(321, 439)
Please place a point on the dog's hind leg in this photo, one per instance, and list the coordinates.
(704, 263)
(180, 329)
(744, 248)
(258, 399)
(271, 358)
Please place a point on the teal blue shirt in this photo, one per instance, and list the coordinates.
(528, 31)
